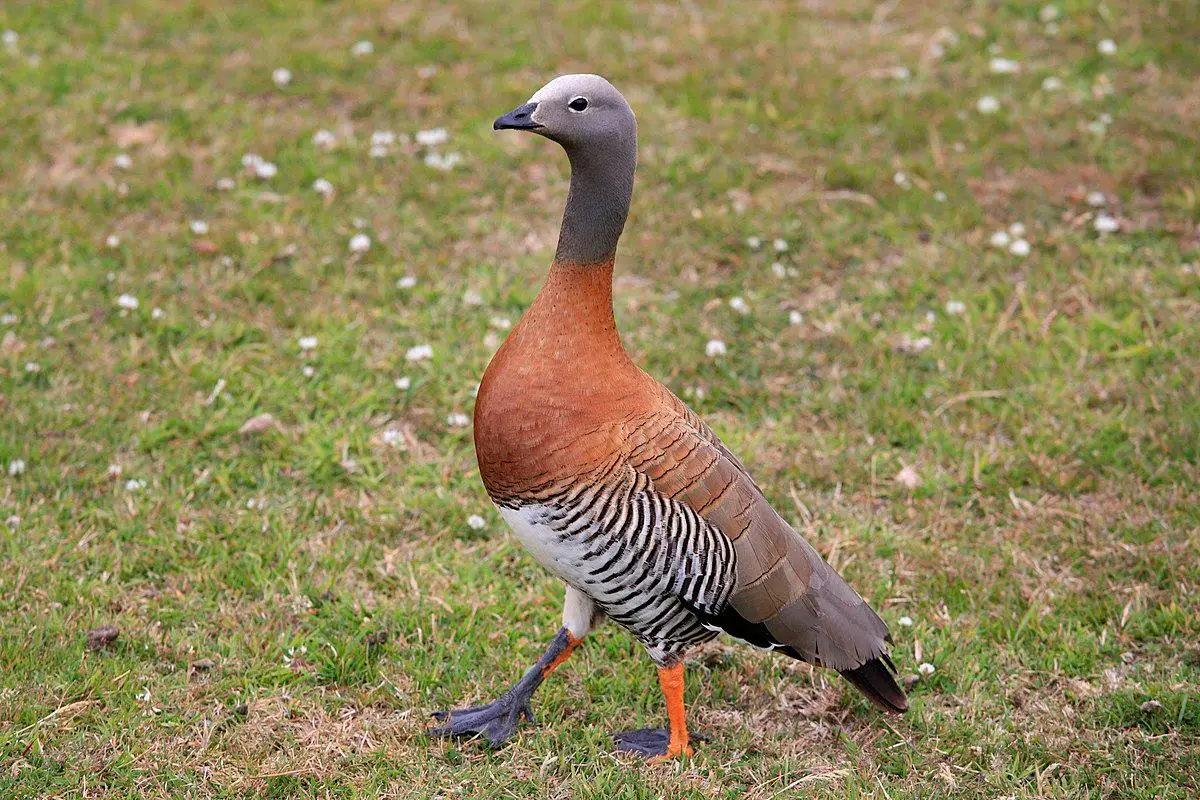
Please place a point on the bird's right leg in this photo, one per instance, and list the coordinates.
(498, 720)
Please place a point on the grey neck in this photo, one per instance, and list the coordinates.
(598, 200)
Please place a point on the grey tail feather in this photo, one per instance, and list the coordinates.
(877, 680)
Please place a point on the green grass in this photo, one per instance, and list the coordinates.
(1049, 557)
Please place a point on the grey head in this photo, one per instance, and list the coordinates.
(596, 127)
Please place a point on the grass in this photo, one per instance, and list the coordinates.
(292, 603)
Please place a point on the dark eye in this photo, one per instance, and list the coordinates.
(578, 104)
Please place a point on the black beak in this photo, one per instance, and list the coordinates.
(519, 119)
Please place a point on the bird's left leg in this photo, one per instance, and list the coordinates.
(498, 720)
(663, 743)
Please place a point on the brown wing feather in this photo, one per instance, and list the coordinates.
(783, 583)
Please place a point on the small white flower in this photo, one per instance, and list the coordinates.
(443, 162)
(265, 170)
(322, 187)
(127, 302)
(475, 522)
(714, 348)
(157, 313)
(930, 317)
(135, 485)
(383, 138)
(420, 352)
(10, 38)
(1017, 229)
(795, 318)
(1052, 83)
(324, 139)
(908, 477)
(738, 304)
(32, 366)
(955, 307)
(987, 105)
(1107, 47)
(905, 622)
(114, 470)
(16, 467)
(378, 151)
(753, 242)
(926, 669)
(403, 383)
(122, 161)
(778, 269)
(918, 345)
(1004, 66)
(13, 521)
(999, 239)
(307, 342)
(939, 196)
(282, 77)
(432, 137)
(362, 48)
(226, 184)
(256, 504)
(360, 243)
(900, 179)
(1048, 13)
(407, 282)
(1020, 248)
(780, 245)
(503, 323)
(458, 420)
(900, 73)
(113, 241)
(143, 695)
(472, 298)
(393, 437)
(308, 371)
(1096, 199)
(8, 319)
(198, 226)
(1106, 224)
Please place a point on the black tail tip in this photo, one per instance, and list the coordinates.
(877, 680)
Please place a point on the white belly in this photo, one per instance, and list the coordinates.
(542, 541)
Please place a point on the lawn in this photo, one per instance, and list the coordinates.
(965, 359)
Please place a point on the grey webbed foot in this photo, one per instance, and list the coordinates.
(646, 742)
(497, 720)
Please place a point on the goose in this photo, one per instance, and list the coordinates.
(619, 489)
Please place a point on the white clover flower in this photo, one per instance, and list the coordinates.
(360, 243)
(1052, 83)
(112, 241)
(443, 162)
(16, 467)
(265, 169)
(114, 470)
(900, 179)
(135, 485)
(714, 348)
(1107, 47)
(226, 184)
(407, 282)
(198, 227)
(939, 196)
(778, 269)
(403, 383)
(282, 76)
(1048, 13)
(393, 437)
(322, 187)
(383, 138)
(780, 245)
(307, 342)
(13, 521)
(8, 319)
(738, 304)
(1106, 224)
(753, 242)
(472, 298)
(378, 151)
(475, 522)
(1020, 248)
(1004, 66)
(926, 669)
(795, 318)
(999, 239)
(420, 352)
(324, 139)
(32, 366)
(458, 419)
(503, 323)
(1017, 229)
(127, 302)
(10, 38)
(955, 307)
(362, 48)
(987, 105)
(433, 137)
(157, 313)
(905, 622)
(1096, 199)
(308, 370)
(122, 161)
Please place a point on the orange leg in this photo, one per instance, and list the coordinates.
(572, 643)
(671, 681)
